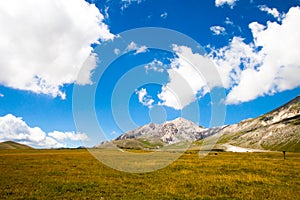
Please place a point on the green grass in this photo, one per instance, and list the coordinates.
(76, 174)
(229, 137)
(137, 144)
(292, 145)
(295, 107)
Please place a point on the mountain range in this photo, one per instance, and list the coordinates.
(276, 130)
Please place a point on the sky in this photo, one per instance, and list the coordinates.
(75, 73)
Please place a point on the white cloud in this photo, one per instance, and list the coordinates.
(117, 51)
(1, 95)
(164, 15)
(190, 77)
(269, 64)
(61, 136)
(141, 49)
(228, 21)
(229, 59)
(217, 30)
(43, 44)
(230, 3)
(106, 15)
(87, 69)
(15, 129)
(155, 65)
(144, 98)
(132, 46)
(138, 49)
(115, 133)
(272, 11)
(175, 99)
(126, 3)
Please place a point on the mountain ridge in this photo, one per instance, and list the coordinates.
(277, 130)
(156, 136)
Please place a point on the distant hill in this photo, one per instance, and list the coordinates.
(13, 145)
(277, 130)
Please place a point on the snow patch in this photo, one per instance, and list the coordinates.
(241, 149)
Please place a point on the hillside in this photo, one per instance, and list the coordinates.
(276, 130)
(13, 145)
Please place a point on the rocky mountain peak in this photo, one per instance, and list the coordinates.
(169, 132)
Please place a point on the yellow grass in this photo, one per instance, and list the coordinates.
(76, 174)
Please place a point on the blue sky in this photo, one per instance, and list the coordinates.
(57, 91)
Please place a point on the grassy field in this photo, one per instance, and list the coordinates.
(76, 174)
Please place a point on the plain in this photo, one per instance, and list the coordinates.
(76, 174)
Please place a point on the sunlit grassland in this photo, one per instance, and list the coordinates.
(76, 174)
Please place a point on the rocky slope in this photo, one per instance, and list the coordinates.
(158, 135)
(276, 130)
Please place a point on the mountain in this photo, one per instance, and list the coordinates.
(155, 136)
(276, 130)
(13, 145)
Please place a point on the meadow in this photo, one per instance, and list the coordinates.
(76, 174)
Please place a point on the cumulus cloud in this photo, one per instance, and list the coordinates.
(267, 65)
(164, 15)
(43, 44)
(229, 59)
(134, 47)
(144, 98)
(87, 69)
(272, 11)
(141, 49)
(155, 65)
(190, 77)
(61, 136)
(230, 3)
(15, 129)
(217, 30)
